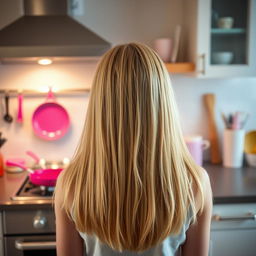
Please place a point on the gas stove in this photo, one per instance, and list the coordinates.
(29, 191)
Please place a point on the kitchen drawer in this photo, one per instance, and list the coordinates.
(234, 216)
(240, 242)
(233, 232)
(28, 221)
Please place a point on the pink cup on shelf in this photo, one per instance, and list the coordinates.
(196, 145)
(163, 47)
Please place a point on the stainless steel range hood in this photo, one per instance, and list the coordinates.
(46, 30)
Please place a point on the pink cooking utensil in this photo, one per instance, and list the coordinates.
(41, 177)
(33, 155)
(50, 120)
(20, 111)
(21, 165)
(45, 177)
(39, 161)
(11, 168)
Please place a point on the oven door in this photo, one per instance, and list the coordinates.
(30, 245)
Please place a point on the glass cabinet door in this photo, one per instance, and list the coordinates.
(229, 32)
(225, 37)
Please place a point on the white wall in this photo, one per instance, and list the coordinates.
(21, 137)
(117, 21)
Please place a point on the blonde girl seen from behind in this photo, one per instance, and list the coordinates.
(132, 182)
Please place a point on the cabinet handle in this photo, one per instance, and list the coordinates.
(249, 216)
(202, 58)
(20, 245)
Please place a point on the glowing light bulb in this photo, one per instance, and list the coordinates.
(47, 88)
(44, 89)
(44, 61)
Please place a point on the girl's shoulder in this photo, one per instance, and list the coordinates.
(206, 189)
(58, 198)
(60, 190)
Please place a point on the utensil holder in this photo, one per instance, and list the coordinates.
(233, 145)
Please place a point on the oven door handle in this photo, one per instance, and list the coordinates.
(42, 245)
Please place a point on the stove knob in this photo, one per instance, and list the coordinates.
(39, 222)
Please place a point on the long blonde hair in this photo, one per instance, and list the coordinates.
(131, 180)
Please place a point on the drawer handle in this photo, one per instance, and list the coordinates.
(43, 245)
(249, 216)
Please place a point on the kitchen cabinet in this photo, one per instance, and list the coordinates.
(233, 230)
(221, 47)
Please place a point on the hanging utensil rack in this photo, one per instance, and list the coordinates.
(32, 93)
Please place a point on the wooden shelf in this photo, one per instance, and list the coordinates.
(181, 67)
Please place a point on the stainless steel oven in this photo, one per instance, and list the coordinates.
(29, 227)
(30, 245)
(29, 232)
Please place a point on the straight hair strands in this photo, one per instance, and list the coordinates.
(131, 179)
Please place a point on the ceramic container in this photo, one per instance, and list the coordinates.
(196, 145)
(163, 47)
(223, 58)
(225, 22)
(250, 142)
(233, 145)
(251, 159)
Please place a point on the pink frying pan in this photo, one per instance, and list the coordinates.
(41, 177)
(45, 177)
(50, 120)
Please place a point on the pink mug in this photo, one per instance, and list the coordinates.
(163, 47)
(196, 145)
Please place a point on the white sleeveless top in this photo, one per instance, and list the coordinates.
(169, 247)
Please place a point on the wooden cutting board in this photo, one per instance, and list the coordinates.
(209, 101)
